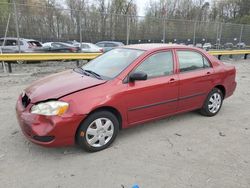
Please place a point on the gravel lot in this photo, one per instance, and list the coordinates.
(186, 150)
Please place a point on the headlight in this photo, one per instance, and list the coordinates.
(50, 108)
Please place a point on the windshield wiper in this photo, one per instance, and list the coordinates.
(81, 71)
(93, 73)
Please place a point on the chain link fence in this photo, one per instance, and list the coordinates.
(45, 23)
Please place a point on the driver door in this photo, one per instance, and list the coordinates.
(158, 95)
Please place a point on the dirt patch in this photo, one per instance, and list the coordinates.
(187, 150)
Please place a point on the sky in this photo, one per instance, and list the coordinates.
(141, 4)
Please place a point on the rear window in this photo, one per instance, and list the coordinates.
(85, 46)
(35, 44)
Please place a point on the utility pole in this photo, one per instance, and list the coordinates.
(17, 26)
(5, 35)
(164, 30)
(164, 14)
(241, 31)
(80, 26)
(194, 37)
(128, 30)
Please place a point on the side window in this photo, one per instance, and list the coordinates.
(10, 43)
(110, 45)
(1, 42)
(85, 46)
(189, 60)
(160, 64)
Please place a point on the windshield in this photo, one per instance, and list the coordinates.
(112, 63)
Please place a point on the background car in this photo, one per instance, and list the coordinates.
(198, 45)
(90, 48)
(109, 45)
(11, 45)
(229, 45)
(218, 46)
(59, 47)
(241, 45)
(207, 46)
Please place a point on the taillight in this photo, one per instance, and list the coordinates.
(101, 50)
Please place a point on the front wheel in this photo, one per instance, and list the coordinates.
(213, 103)
(98, 131)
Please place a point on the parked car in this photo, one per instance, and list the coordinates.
(122, 88)
(218, 46)
(59, 47)
(11, 45)
(90, 48)
(198, 45)
(228, 45)
(109, 45)
(207, 46)
(241, 45)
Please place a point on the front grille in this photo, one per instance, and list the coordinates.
(25, 100)
(44, 138)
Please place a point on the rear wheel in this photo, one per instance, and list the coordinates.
(213, 103)
(98, 131)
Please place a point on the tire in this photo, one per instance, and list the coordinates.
(93, 136)
(20, 62)
(209, 107)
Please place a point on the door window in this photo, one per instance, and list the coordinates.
(10, 42)
(110, 45)
(189, 60)
(159, 64)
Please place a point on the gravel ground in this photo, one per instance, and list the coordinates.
(186, 150)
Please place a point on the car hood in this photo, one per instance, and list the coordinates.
(60, 84)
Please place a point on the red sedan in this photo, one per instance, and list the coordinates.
(127, 86)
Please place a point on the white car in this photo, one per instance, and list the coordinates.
(207, 46)
(198, 45)
(90, 48)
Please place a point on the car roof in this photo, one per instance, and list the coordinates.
(115, 42)
(155, 46)
(15, 38)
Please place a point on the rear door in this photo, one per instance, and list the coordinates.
(196, 79)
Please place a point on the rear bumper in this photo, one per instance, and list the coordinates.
(48, 131)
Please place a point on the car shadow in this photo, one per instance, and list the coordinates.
(125, 134)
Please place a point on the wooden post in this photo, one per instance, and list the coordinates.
(9, 67)
(245, 56)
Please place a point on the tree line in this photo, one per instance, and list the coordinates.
(86, 20)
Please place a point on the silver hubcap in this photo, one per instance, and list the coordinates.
(214, 103)
(99, 132)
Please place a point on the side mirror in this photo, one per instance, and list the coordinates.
(137, 76)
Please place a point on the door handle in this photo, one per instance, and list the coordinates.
(171, 80)
(208, 73)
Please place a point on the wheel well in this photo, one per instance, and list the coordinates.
(222, 89)
(112, 110)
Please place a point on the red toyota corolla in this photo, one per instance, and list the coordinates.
(127, 86)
